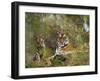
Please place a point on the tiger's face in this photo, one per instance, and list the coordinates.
(62, 39)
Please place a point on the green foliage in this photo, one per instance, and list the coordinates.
(48, 24)
(46, 52)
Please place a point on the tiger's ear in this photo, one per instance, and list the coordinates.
(57, 32)
(67, 33)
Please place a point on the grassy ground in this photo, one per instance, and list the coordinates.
(76, 58)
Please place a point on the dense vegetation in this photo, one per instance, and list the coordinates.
(46, 24)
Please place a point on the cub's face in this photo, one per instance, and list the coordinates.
(62, 40)
(41, 40)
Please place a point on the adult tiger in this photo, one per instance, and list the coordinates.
(63, 43)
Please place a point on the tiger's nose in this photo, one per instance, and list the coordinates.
(62, 41)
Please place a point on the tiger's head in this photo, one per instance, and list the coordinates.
(62, 39)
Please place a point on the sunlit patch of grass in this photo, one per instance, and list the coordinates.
(79, 59)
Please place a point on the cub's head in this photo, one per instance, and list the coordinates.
(41, 40)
